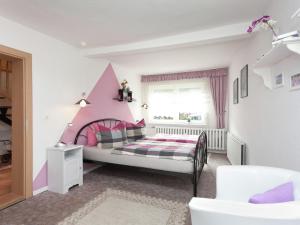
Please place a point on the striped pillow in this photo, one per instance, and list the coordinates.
(111, 137)
(135, 131)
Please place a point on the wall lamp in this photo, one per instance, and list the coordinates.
(145, 106)
(83, 102)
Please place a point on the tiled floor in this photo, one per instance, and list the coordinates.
(49, 208)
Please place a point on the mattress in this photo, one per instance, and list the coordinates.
(105, 155)
(181, 138)
(158, 149)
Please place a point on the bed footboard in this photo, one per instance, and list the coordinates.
(200, 158)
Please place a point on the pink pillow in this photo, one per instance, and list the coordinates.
(281, 193)
(119, 126)
(91, 137)
(91, 134)
(139, 124)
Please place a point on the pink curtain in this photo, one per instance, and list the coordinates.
(185, 75)
(218, 86)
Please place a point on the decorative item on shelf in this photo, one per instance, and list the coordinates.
(129, 96)
(124, 94)
(83, 102)
(278, 80)
(264, 22)
(295, 82)
(236, 91)
(244, 82)
(121, 97)
(145, 106)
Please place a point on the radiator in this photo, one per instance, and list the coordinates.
(236, 150)
(216, 138)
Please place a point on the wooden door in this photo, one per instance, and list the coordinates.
(21, 97)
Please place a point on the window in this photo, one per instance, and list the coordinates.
(179, 102)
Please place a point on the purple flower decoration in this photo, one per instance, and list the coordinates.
(263, 19)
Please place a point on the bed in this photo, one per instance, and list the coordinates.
(166, 153)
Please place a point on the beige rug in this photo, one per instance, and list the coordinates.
(115, 207)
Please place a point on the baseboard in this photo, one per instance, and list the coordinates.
(217, 151)
(91, 169)
(38, 191)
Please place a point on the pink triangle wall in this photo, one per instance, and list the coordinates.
(102, 106)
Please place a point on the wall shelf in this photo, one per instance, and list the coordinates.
(280, 51)
(124, 100)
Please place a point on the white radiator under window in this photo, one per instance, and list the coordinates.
(216, 138)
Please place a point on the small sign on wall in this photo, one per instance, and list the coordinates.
(295, 82)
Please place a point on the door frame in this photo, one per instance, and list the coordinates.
(26, 117)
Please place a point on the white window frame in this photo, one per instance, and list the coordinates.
(178, 84)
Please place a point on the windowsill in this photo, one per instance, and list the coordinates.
(176, 124)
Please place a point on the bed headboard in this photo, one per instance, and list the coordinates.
(81, 137)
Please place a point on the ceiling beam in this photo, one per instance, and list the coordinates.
(208, 36)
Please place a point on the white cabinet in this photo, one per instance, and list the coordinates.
(64, 168)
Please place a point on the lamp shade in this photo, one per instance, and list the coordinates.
(82, 102)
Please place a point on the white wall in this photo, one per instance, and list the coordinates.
(268, 120)
(174, 60)
(60, 75)
(180, 59)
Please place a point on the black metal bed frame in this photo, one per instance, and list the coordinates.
(110, 123)
(200, 156)
(200, 159)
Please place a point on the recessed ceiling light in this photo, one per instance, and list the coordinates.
(83, 43)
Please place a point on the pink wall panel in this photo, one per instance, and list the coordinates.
(102, 106)
(41, 179)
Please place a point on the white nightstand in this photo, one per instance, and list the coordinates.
(64, 168)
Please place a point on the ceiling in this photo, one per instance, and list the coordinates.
(115, 22)
(180, 59)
